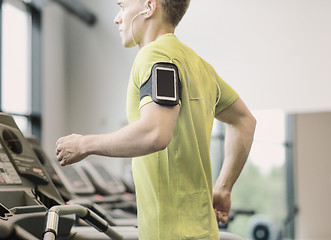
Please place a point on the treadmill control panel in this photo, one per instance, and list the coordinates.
(21, 156)
(74, 179)
(30, 169)
(8, 174)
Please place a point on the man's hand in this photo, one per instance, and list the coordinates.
(222, 205)
(69, 149)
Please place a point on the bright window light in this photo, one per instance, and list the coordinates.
(268, 149)
(16, 63)
(15, 60)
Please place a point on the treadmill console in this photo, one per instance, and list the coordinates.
(8, 174)
(26, 190)
(22, 156)
(105, 182)
(74, 179)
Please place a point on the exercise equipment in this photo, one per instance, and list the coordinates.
(92, 186)
(93, 219)
(27, 194)
(11, 231)
(262, 227)
(26, 191)
(233, 213)
(30, 196)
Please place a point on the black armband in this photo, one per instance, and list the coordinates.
(163, 85)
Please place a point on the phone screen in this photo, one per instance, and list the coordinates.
(165, 83)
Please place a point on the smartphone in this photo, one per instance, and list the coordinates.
(166, 87)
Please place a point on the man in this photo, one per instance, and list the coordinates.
(169, 138)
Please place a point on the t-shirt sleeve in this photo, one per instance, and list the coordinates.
(227, 97)
(142, 69)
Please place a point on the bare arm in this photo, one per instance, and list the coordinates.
(240, 127)
(151, 133)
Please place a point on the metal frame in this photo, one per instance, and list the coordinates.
(289, 223)
(36, 66)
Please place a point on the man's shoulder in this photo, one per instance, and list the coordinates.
(152, 54)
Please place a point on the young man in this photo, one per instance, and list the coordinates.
(170, 126)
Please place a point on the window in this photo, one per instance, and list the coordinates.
(264, 185)
(20, 65)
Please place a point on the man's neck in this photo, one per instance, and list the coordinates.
(153, 32)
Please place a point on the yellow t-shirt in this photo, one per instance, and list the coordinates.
(174, 186)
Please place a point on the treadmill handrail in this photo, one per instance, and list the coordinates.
(89, 216)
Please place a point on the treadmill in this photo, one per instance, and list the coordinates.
(27, 196)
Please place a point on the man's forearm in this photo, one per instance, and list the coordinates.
(238, 143)
(151, 133)
(130, 141)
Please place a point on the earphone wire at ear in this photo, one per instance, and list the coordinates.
(134, 18)
(189, 87)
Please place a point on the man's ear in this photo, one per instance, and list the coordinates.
(150, 6)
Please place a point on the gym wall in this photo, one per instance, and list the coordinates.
(275, 53)
(313, 175)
